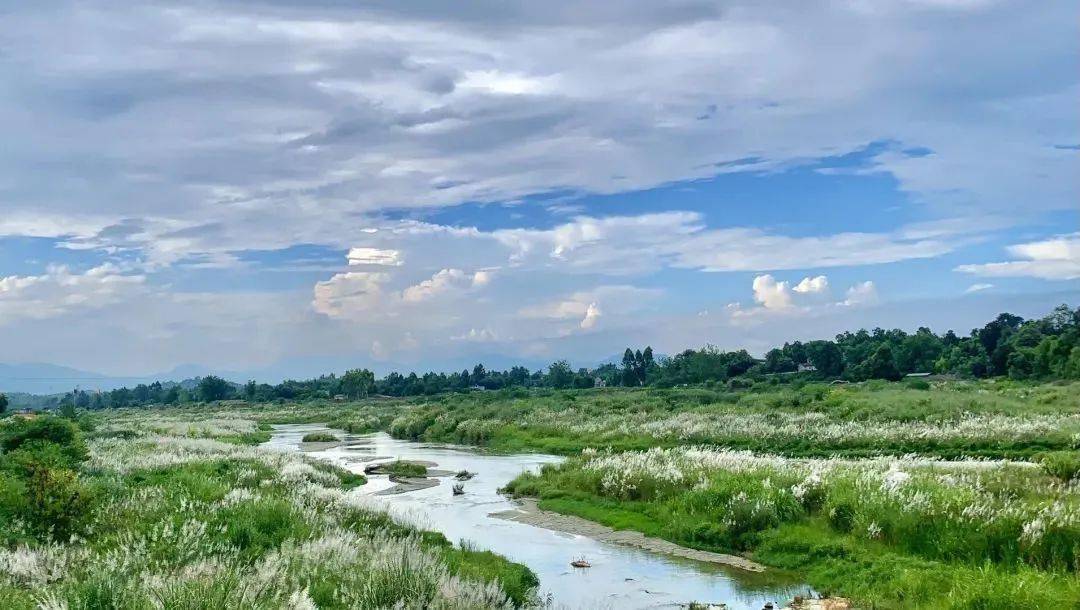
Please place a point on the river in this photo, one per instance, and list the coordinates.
(620, 576)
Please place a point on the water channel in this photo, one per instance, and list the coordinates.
(620, 576)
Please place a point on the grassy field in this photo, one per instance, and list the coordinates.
(900, 495)
(946, 495)
(948, 419)
(180, 511)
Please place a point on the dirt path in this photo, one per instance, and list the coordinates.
(530, 514)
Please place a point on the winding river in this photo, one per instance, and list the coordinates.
(620, 576)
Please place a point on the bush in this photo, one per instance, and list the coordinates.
(917, 384)
(59, 431)
(405, 469)
(320, 437)
(1064, 465)
(57, 502)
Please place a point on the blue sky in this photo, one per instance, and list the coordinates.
(276, 186)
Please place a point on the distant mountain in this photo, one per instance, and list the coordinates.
(44, 379)
(41, 378)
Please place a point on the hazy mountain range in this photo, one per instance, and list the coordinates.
(44, 378)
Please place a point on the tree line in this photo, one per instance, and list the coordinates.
(1008, 345)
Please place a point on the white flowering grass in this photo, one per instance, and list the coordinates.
(190, 521)
(978, 510)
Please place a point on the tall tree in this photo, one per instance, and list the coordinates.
(357, 383)
(213, 388)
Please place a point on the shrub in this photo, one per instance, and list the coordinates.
(405, 469)
(1064, 465)
(62, 432)
(57, 502)
(320, 437)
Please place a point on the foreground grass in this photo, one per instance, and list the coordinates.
(894, 533)
(183, 519)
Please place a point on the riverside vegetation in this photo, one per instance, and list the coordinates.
(941, 494)
(960, 492)
(137, 511)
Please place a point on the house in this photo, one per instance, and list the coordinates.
(598, 383)
(806, 367)
(339, 398)
(913, 375)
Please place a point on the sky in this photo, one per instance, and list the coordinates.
(263, 185)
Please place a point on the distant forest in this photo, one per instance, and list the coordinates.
(1008, 345)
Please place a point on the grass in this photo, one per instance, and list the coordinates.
(185, 514)
(400, 468)
(320, 437)
(818, 494)
(951, 419)
(892, 533)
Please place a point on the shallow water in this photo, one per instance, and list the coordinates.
(621, 577)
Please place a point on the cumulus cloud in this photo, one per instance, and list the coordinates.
(772, 294)
(781, 298)
(592, 316)
(1057, 258)
(60, 291)
(444, 282)
(812, 285)
(346, 294)
(863, 293)
(584, 310)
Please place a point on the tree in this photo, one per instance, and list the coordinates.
(826, 357)
(357, 383)
(776, 361)
(560, 375)
(213, 388)
(880, 365)
(3, 403)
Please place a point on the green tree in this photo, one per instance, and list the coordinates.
(880, 365)
(560, 375)
(3, 403)
(357, 383)
(213, 388)
(826, 357)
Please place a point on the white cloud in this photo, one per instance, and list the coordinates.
(978, 288)
(290, 125)
(592, 316)
(779, 298)
(351, 293)
(637, 244)
(443, 282)
(1057, 258)
(475, 335)
(374, 256)
(813, 285)
(772, 294)
(60, 291)
(863, 293)
(584, 310)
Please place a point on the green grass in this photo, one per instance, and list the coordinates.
(401, 468)
(183, 522)
(886, 550)
(320, 437)
(847, 534)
